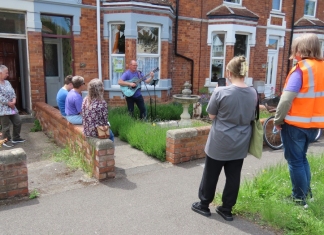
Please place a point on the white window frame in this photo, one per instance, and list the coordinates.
(280, 6)
(217, 58)
(158, 55)
(315, 7)
(235, 3)
(112, 56)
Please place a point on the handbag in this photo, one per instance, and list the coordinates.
(256, 142)
(103, 132)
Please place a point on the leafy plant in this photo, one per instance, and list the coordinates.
(34, 194)
(37, 126)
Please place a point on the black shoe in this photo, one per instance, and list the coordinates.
(197, 207)
(18, 140)
(7, 144)
(225, 213)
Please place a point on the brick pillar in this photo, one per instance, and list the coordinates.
(13, 173)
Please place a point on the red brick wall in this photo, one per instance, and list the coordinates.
(98, 153)
(13, 173)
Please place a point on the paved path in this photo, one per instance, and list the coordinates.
(146, 197)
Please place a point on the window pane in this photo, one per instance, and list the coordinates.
(240, 45)
(217, 69)
(273, 44)
(117, 68)
(218, 45)
(58, 25)
(233, 1)
(147, 64)
(67, 56)
(309, 8)
(117, 39)
(276, 4)
(147, 40)
(12, 23)
(51, 63)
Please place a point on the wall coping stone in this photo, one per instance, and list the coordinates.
(12, 156)
(182, 133)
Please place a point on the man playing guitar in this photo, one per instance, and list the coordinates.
(137, 97)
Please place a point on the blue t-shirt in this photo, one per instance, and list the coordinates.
(73, 103)
(295, 81)
(128, 75)
(60, 99)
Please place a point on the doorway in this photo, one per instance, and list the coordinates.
(272, 65)
(53, 61)
(9, 56)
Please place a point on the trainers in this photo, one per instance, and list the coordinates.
(6, 144)
(18, 140)
(225, 213)
(197, 207)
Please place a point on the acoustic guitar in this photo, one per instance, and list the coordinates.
(130, 91)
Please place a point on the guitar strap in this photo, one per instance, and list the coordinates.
(139, 75)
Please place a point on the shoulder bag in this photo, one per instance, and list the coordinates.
(103, 132)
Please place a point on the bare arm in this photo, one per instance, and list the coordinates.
(125, 83)
(212, 117)
(150, 79)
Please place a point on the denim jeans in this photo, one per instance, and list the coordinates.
(111, 135)
(74, 119)
(295, 141)
(139, 101)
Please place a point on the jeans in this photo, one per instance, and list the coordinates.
(139, 101)
(74, 119)
(295, 141)
(209, 181)
(111, 135)
(5, 123)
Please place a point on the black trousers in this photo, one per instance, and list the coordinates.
(209, 181)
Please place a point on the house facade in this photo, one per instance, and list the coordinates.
(42, 41)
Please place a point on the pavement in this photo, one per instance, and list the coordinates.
(146, 197)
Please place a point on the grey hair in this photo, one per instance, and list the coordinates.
(308, 46)
(2, 68)
(95, 90)
(77, 81)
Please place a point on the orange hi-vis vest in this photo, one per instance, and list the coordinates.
(307, 109)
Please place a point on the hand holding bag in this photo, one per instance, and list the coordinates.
(256, 142)
(103, 132)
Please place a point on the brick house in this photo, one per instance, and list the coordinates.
(42, 41)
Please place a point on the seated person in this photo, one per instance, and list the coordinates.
(62, 93)
(95, 110)
(73, 102)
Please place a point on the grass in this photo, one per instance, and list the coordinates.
(34, 194)
(264, 200)
(37, 126)
(73, 158)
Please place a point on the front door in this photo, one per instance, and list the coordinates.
(53, 61)
(9, 56)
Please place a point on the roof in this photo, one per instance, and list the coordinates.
(309, 23)
(225, 11)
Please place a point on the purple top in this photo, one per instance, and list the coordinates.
(128, 75)
(73, 103)
(93, 115)
(295, 81)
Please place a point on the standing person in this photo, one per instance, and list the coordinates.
(136, 98)
(232, 108)
(8, 111)
(62, 93)
(73, 102)
(95, 110)
(300, 111)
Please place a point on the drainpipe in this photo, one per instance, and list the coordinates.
(99, 41)
(176, 44)
(292, 33)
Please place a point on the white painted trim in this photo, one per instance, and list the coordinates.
(112, 4)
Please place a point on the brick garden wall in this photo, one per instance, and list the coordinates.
(98, 153)
(13, 173)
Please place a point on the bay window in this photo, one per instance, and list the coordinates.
(117, 51)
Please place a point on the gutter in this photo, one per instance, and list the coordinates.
(99, 41)
(176, 45)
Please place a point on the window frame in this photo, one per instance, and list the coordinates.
(315, 8)
(157, 55)
(217, 57)
(226, 2)
(280, 6)
(112, 55)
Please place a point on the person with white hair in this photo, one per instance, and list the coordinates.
(8, 111)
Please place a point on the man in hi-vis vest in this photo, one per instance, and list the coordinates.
(300, 112)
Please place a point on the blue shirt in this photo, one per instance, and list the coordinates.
(60, 99)
(128, 75)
